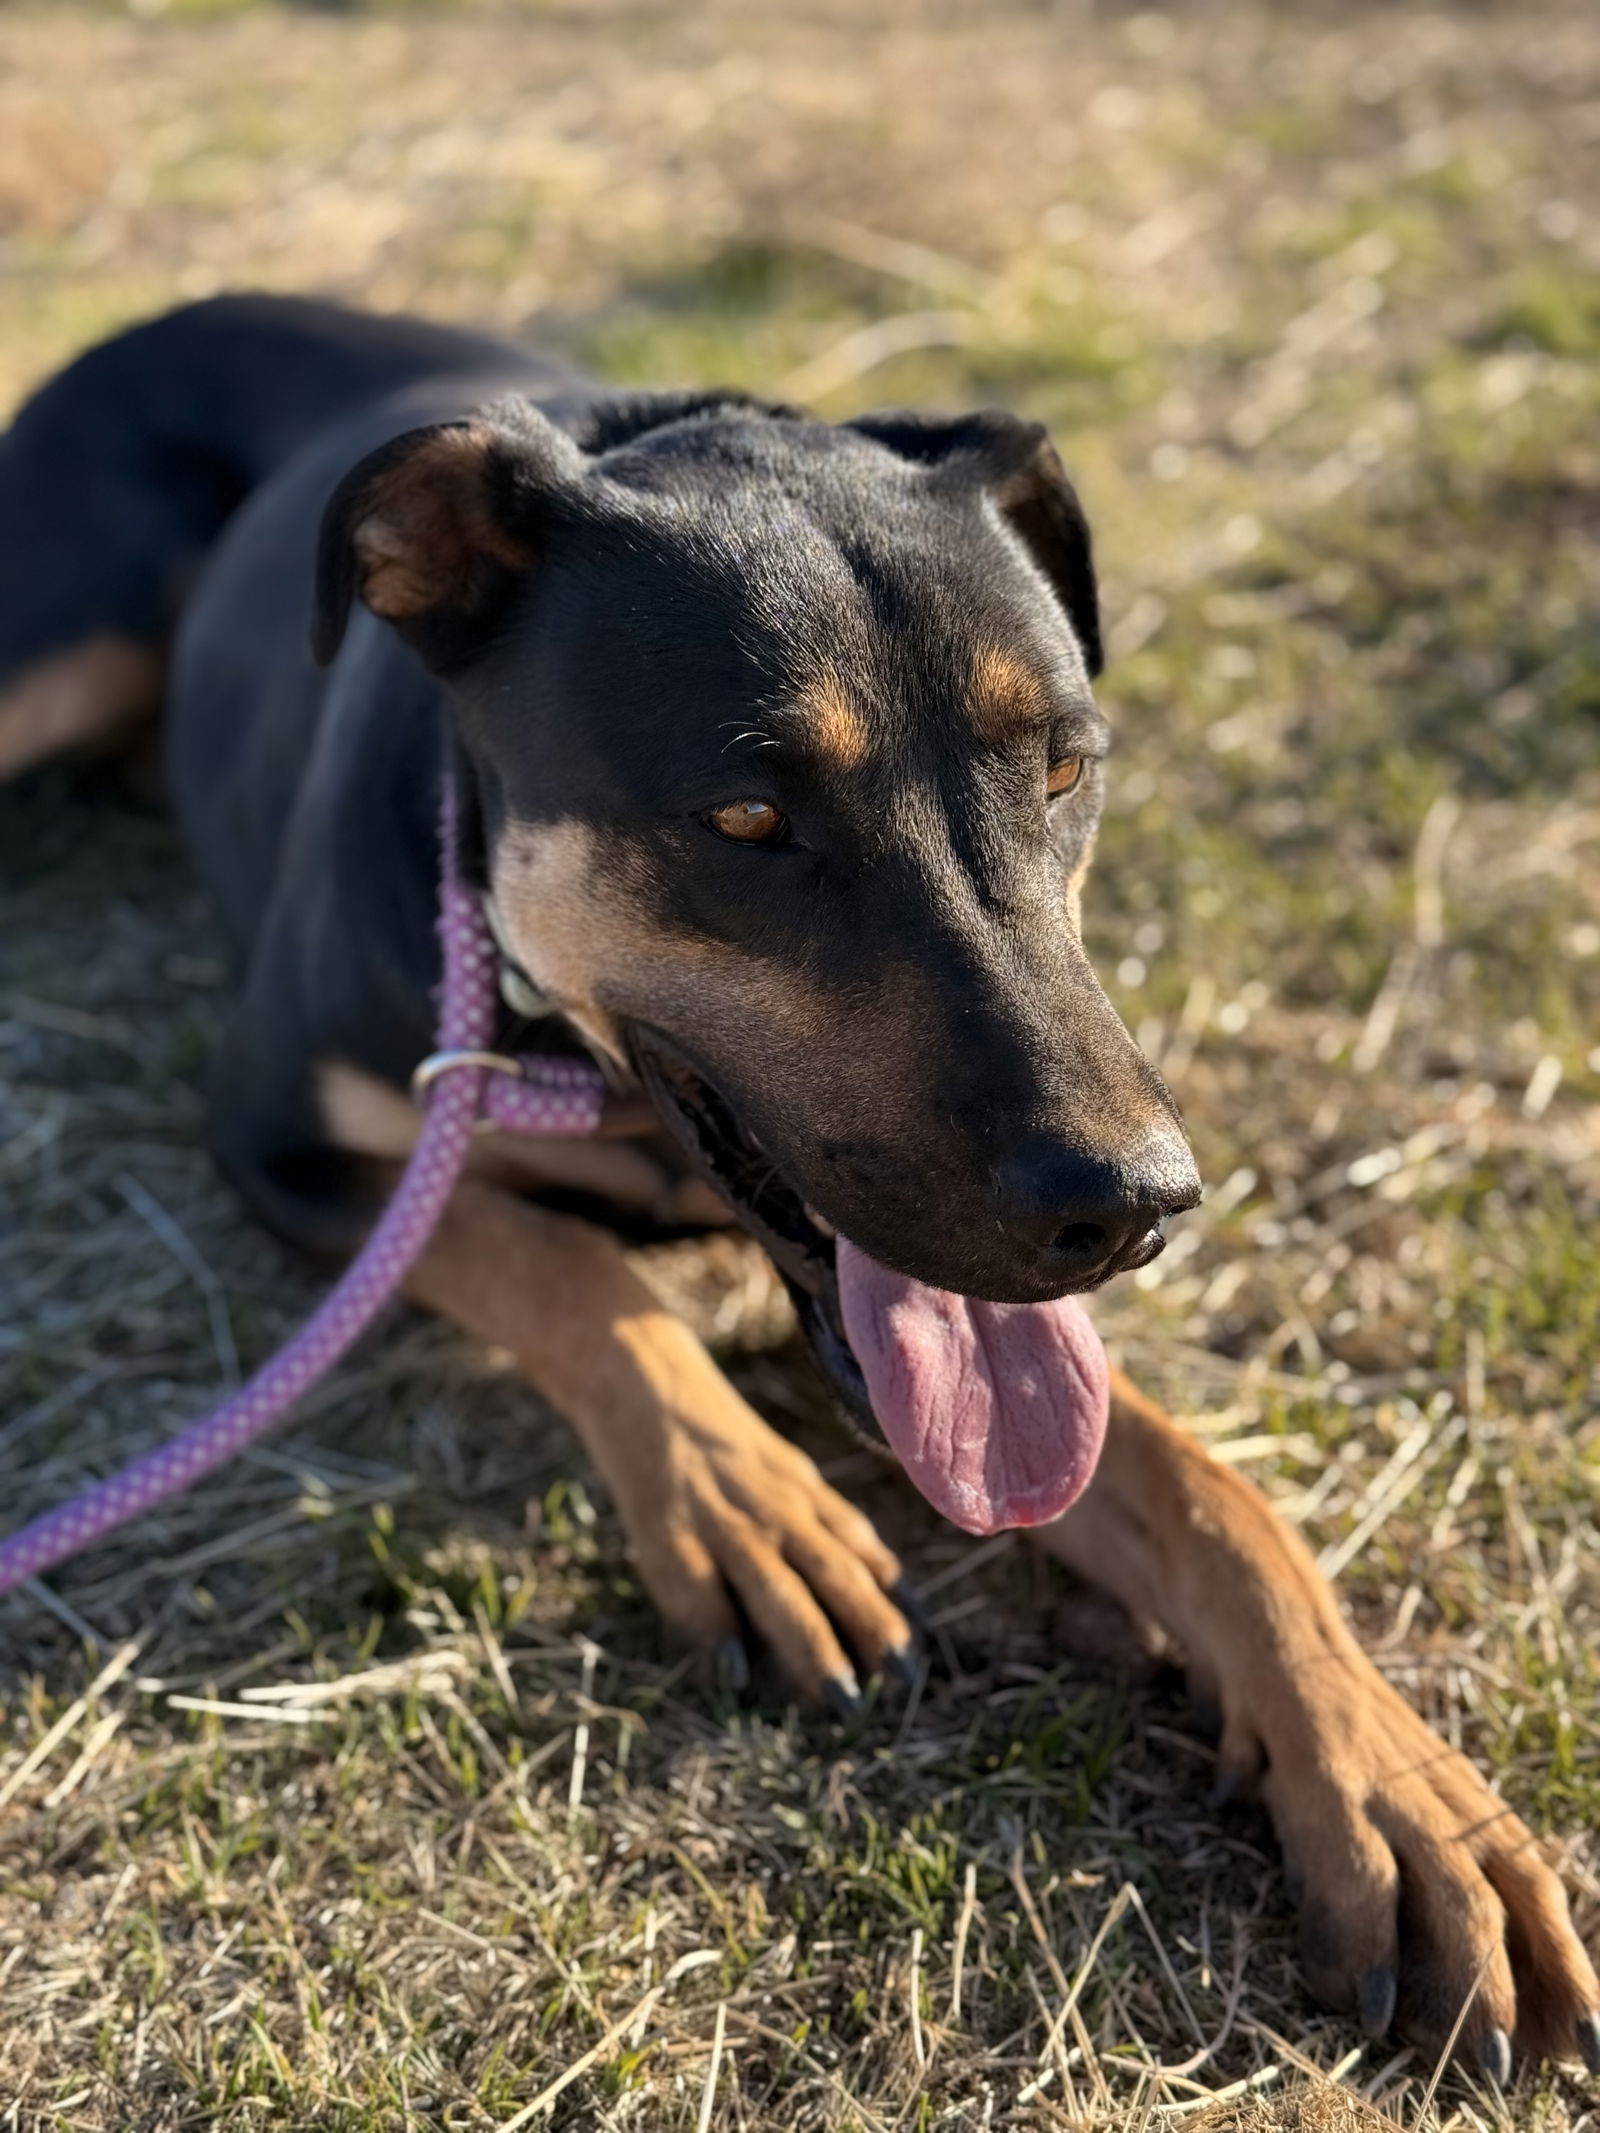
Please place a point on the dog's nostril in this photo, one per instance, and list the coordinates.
(1089, 1214)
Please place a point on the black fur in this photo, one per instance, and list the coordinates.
(893, 1002)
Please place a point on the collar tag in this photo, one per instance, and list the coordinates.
(517, 989)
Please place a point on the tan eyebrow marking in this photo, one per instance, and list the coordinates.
(834, 727)
(1004, 696)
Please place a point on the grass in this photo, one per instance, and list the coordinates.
(359, 1791)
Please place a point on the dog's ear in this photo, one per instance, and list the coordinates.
(433, 530)
(1018, 466)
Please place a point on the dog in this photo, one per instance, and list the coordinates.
(778, 767)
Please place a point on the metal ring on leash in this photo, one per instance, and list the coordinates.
(438, 1063)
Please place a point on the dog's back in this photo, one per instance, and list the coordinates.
(118, 476)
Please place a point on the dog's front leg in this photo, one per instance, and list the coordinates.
(1414, 1882)
(717, 1506)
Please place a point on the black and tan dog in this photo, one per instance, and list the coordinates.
(779, 761)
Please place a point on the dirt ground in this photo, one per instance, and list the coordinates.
(359, 1790)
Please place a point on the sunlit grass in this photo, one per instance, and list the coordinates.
(1310, 305)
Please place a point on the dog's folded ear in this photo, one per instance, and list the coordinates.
(433, 530)
(1015, 463)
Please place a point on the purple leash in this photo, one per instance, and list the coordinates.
(462, 1083)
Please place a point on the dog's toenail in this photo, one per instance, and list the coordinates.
(843, 1692)
(1205, 1717)
(909, 1601)
(733, 1665)
(1589, 2041)
(1235, 1779)
(1377, 2000)
(903, 1663)
(1494, 2056)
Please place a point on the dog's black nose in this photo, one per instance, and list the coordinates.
(1088, 1216)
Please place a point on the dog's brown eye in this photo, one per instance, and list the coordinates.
(1064, 776)
(749, 822)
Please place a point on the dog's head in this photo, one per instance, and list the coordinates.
(789, 770)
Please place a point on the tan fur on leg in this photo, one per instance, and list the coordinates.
(714, 1501)
(1367, 1802)
(98, 693)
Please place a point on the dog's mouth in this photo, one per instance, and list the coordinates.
(802, 1247)
(996, 1411)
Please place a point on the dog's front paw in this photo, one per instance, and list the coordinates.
(1418, 1889)
(743, 1525)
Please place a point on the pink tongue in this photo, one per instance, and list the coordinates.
(996, 1411)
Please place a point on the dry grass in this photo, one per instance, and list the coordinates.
(344, 1794)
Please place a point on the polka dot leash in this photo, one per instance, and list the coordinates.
(461, 1083)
